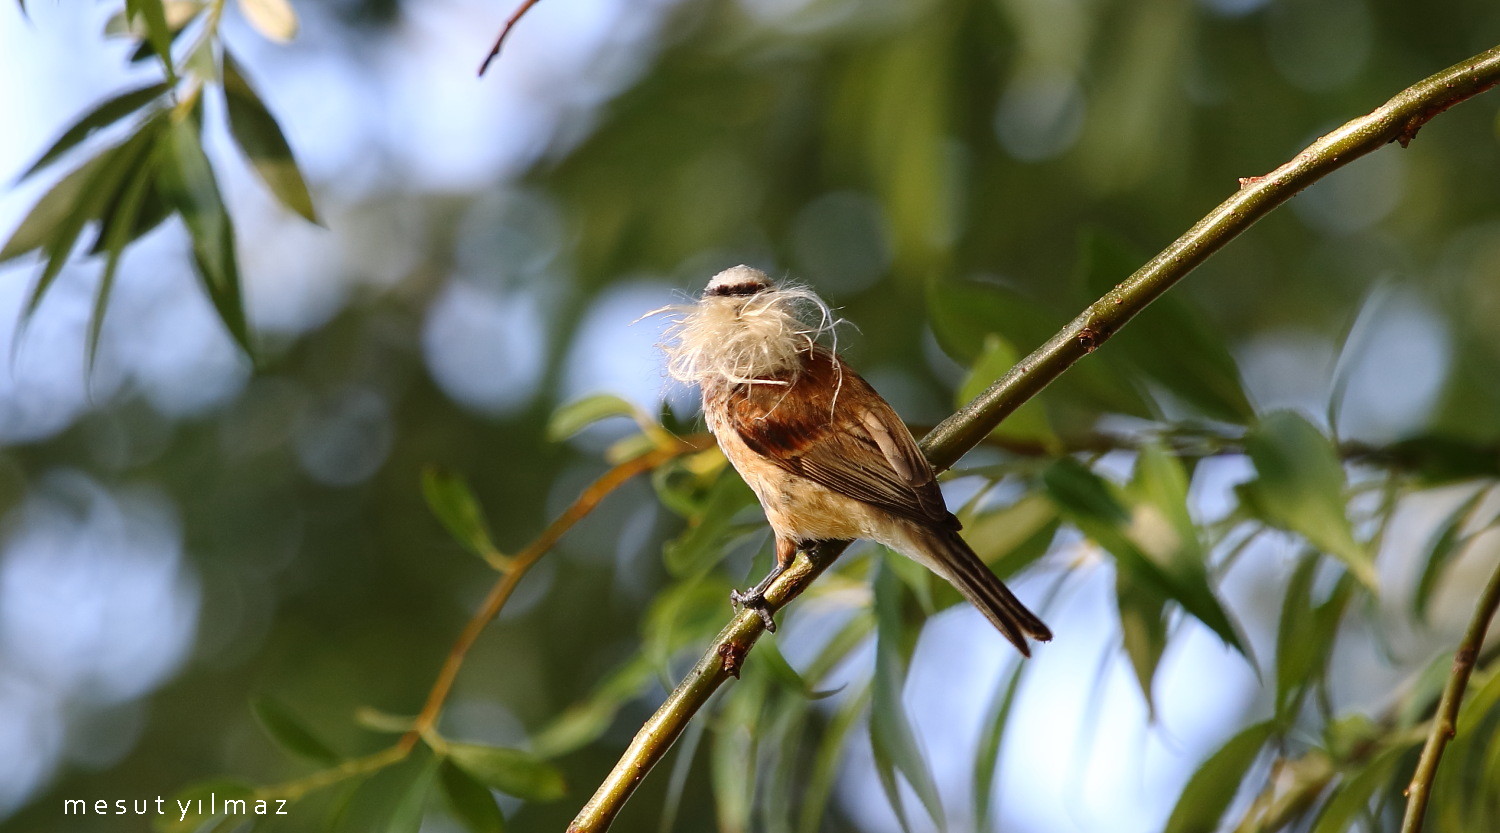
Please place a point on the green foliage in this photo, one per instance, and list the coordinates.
(510, 771)
(289, 732)
(128, 188)
(1301, 488)
(450, 499)
(1214, 785)
(471, 801)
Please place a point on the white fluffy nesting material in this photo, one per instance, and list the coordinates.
(744, 339)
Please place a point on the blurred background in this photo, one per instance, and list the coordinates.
(180, 531)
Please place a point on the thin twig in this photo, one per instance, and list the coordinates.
(426, 721)
(505, 30)
(1396, 119)
(1445, 723)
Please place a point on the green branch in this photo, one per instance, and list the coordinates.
(1397, 120)
(1445, 722)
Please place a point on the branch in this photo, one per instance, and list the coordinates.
(510, 23)
(1397, 119)
(1445, 723)
(426, 720)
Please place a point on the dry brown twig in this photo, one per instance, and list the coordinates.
(509, 24)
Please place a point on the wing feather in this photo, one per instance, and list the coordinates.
(831, 427)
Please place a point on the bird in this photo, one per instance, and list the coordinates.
(827, 457)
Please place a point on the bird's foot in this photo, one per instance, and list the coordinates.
(754, 599)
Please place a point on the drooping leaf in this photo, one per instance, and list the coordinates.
(1300, 488)
(273, 19)
(195, 805)
(99, 191)
(101, 116)
(1143, 629)
(707, 537)
(1351, 798)
(963, 314)
(1028, 422)
(1296, 644)
(583, 722)
(288, 731)
(407, 815)
(578, 415)
(831, 749)
(1443, 545)
(114, 237)
(45, 220)
(187, 181)
(1169, 341)
(158, 32)
(1211, 789)
(1100, 513)
(1013, 537)
(991, 744)
(892, 737)
(259, 136)
(450, 499)
(471, 801)
(510, 771)
(732, 754)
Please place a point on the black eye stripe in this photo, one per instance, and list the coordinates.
(737, 289)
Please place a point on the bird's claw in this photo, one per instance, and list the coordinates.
(756, 601)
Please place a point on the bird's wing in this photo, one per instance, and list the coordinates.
(831, 427)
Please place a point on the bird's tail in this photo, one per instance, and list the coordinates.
(957, 563)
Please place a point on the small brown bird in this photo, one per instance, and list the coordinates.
(827, 456)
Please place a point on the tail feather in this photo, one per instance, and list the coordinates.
(963, 569)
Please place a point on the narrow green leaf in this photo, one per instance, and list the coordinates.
(1029, 422)
(260, 138)
(583, 722)
(732, 754)
(153, 210)
(1441, 548)
(1170, 341)
(407, 815)
(1300, 488)
(991, 744)
(102, 116)
(891, 734)
(684, 753)
(273, 19)
(707, 537)
(1143, 629)
(450, 499)
(187, 181)
(1013, 537)
(1351, 798)
(98, 192)
(510, 771)
(580, 414)
(1098, 511)
(471, 801)
(115, 236)
(287, 730)
(47, 217)
(197, 804)
(831, 749)
(1213, 786)
(157, 30)
(1297, 646)
(964, 313)
(378, 721)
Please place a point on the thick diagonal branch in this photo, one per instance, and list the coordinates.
(1396, 120)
